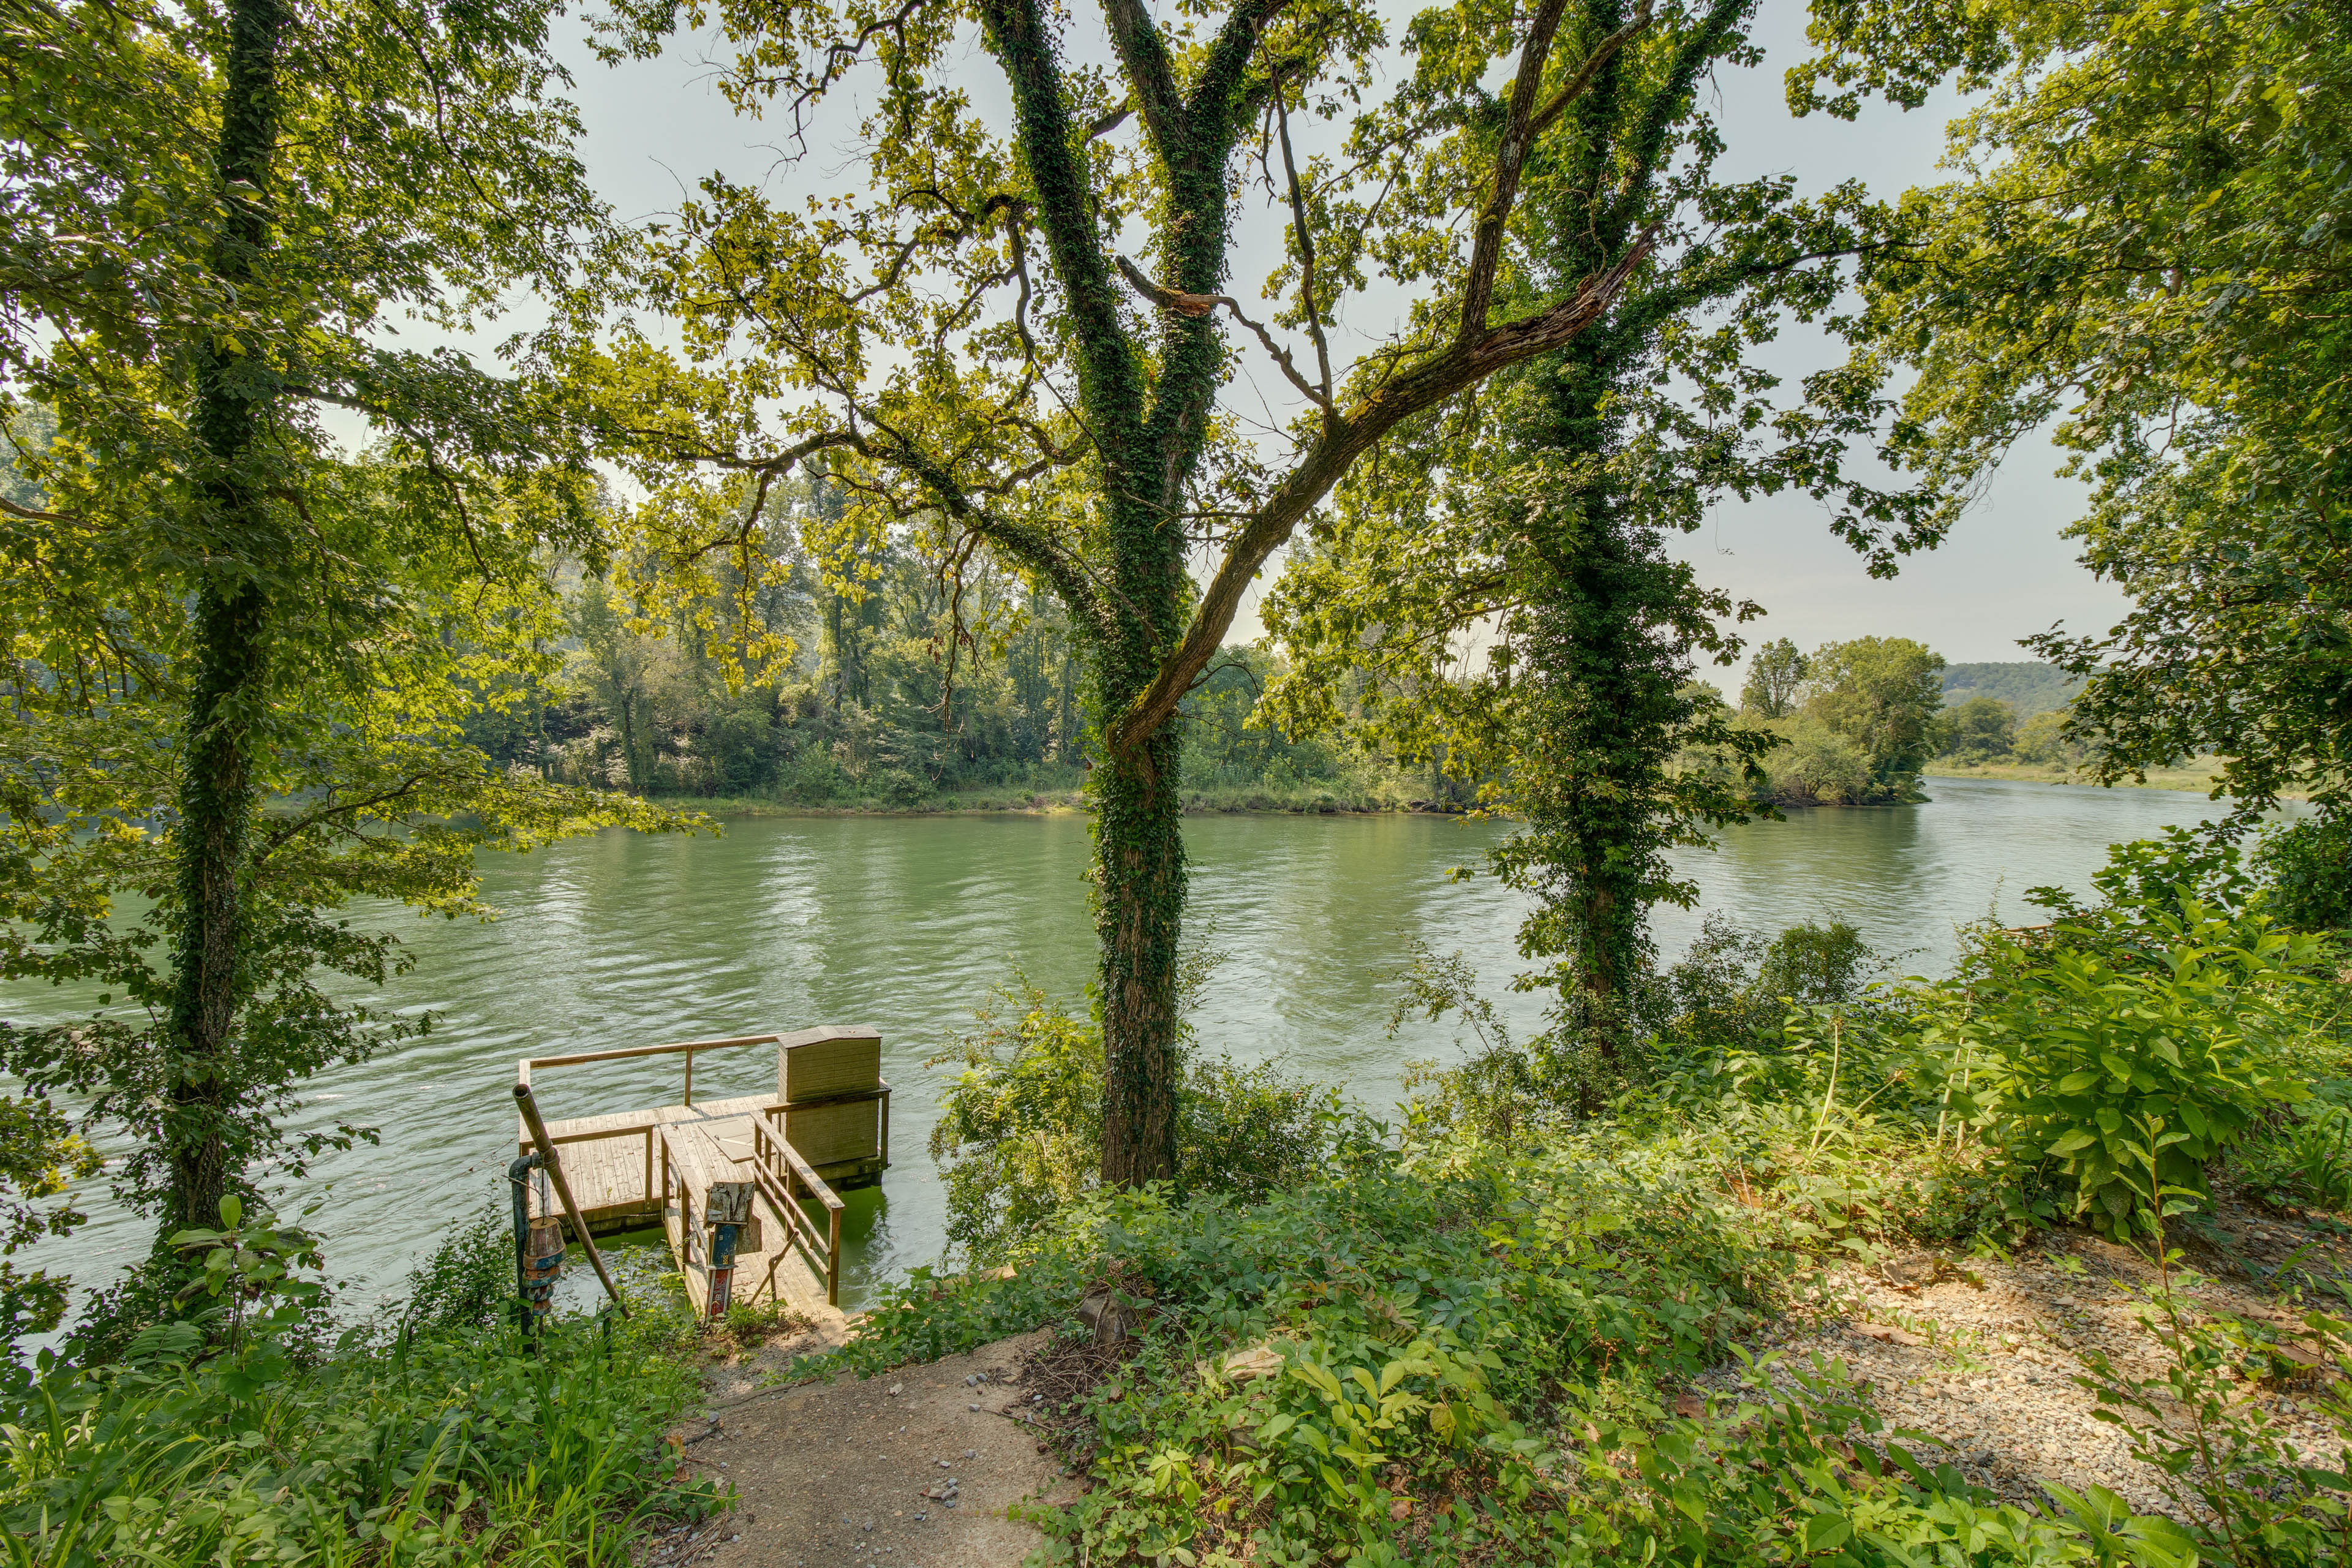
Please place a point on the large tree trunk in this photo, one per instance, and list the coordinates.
(1140, 861)
(231, 657)
(1140, 856)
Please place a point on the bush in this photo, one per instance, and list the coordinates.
(1730, 994)
(469, 1283)
(1733, 990)
(1020, 1131)
(2174, 998)
(2308, 866)
(441, 1446)
(2304, 1156)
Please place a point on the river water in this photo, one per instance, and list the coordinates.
(906, 922)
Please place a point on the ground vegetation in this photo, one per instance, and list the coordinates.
(1512, 1335)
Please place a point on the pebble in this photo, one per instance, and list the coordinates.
(2000, 1393)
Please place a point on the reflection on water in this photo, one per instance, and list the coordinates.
(906, 921)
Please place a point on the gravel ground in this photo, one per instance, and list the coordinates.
(914, 1469)
(1981, 1354)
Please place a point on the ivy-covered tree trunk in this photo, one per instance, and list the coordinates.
(231, 653)
(1139, 858)
(1599, 709)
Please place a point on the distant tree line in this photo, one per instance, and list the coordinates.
(904, 677)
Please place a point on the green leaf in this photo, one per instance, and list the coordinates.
(1827, 1531)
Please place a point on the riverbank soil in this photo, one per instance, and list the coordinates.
(1980, 1354)
(914, 1469)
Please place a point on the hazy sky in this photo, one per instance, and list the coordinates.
(656, 127)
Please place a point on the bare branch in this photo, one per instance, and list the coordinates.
(13, 509)
(1197, 305)
(1306, 249)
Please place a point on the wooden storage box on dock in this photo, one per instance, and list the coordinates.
(836, 1133)
(829, 1063)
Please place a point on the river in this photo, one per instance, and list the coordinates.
(906, 922)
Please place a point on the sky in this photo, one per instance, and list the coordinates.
(654, 128)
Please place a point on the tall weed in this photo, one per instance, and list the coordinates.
(443, 1445)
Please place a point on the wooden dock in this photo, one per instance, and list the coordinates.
(777, 1162)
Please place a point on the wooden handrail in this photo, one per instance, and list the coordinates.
(671, 1049)
(798, 1231)
(767, 1144)
(524, 1067)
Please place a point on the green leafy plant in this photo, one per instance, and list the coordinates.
(1019, 1135)
(2304, 1156)
(2087, 1040)
(441, 1447)
(2254, 1497)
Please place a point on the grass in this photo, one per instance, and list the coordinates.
(2196, 776)
(443, 1447)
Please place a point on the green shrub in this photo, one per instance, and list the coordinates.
(1019, 1133)
(1728, 995)
(468, 1282)
(450, 1444)
(2304, 1156)
(2175, 997)
(2308, 864)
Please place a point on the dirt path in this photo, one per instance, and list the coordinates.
(1981, 1354)
(911, 1469)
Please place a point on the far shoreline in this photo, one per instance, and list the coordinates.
(2196, 779)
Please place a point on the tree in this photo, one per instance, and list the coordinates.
(39, 1155)
(2144, 251)
(1980, 730)
(1773, 678)
(962, 334)
(1883, 694)
(238, 660)
(1533, 526)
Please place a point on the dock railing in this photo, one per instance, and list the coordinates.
(776, 1165)
(683, 1048)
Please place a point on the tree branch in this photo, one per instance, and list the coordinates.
(13, 509)
(1520, 126)
(1016, 35)
(1583, 77)
(1306, 250)
(1197, 305)
(1144, 53)
(1462, 364)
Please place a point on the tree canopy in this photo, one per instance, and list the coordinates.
(967, 334)
(2144, 250)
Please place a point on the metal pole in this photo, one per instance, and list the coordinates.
(554, 1168)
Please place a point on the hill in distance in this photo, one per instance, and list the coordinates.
(2028, 687)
